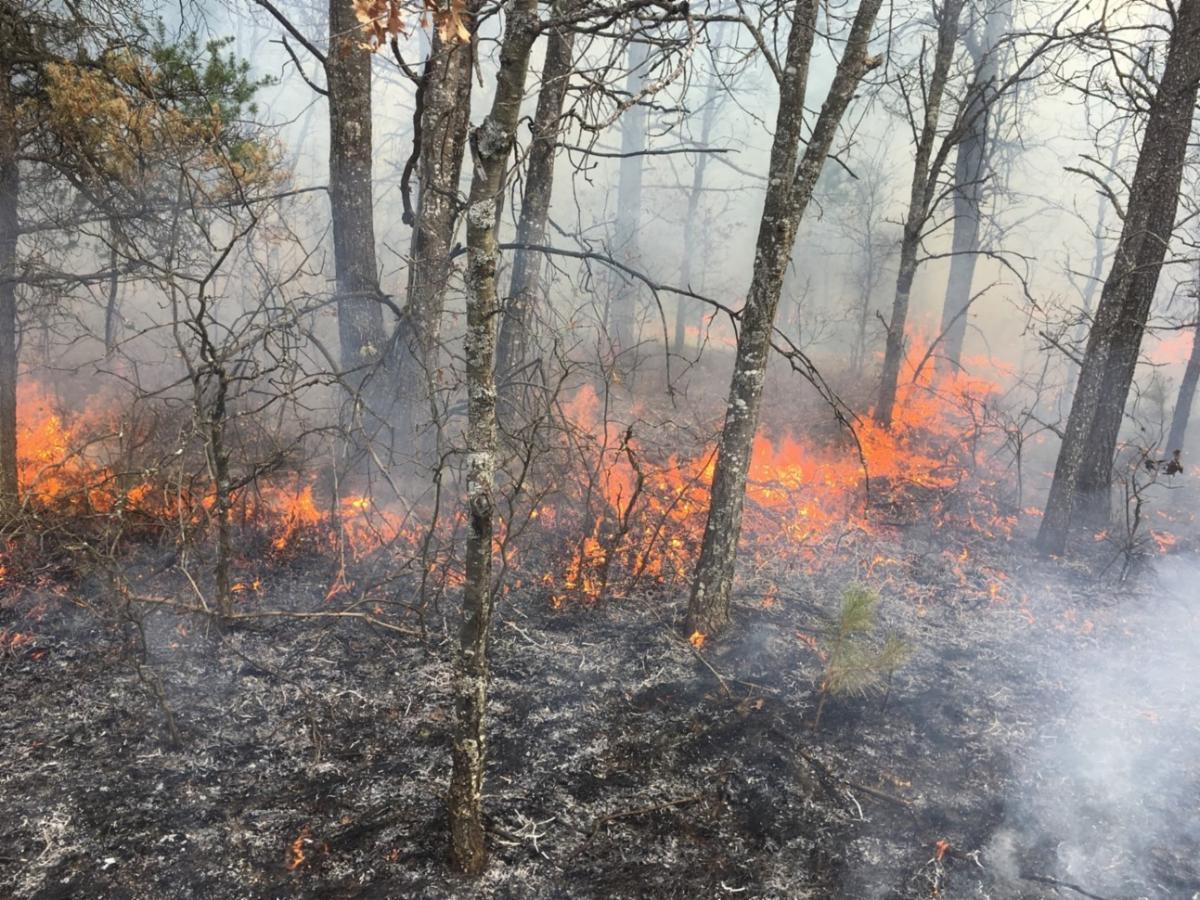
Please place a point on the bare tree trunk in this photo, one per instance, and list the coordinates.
(1187, 395)
(445, 121)
(10, 187)
(924, 186)
(791, 190)
(623, 305)
(858, 353)
(535, 208)
(348, 78)
(491, 145)
(686, 311)
(970, 171)
(1083, 472)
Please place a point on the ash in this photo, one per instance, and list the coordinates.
(1042, 749)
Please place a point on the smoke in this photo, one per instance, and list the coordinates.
(1109, 785)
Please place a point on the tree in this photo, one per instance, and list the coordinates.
(860, 215)
(926, 168)
(928, 189)
(1083, 471)
(10, 190)
(983, 41)
(791, 189)
(525, 283)
(103, 121)
(347, 68)
(351, 191)
(686, 313)
(623, 305)
(491, 145)
(445, 118)
(1187, 394)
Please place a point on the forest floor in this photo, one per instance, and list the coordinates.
(1046, 748)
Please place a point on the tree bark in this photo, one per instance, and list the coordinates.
(348, 80)
(970, 172)
(1083, 471)
(924, 186)
(491, 145)
(790, 188)
(535, 209)
(10, 187)
(445, 121)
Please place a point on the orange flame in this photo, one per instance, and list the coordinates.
(296, 854)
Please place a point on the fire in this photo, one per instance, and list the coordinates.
(618, 507)
(1163, 540)
(296, 854)
(697, 639)
(299, 512)
(14, 640)
(643, 515)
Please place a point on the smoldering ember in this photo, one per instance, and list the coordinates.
(599, 449)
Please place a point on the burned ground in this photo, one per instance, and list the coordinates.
(624, 763)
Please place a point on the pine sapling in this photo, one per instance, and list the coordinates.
(856, 665)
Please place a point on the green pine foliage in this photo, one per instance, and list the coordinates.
(201, 78)
(857, 664)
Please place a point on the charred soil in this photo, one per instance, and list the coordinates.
(624, 762)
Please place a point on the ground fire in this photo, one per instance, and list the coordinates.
(585, 450)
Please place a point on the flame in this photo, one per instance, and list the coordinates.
(14, 640)
(616, 508)
(298, 512)
(645, 519)
(296, 854)
(940, 848)
(697, 639)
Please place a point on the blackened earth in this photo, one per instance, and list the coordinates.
(622, 764)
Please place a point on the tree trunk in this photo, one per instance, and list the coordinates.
(1187, 395)
(1083, 472)
(789, 195)
(858, 353)
(348, 78)
(686, 311)
(535, 209)
(10, 187)
(623, 305)
(924, 185)
(970, 171)
(491, 145)
(445, 121)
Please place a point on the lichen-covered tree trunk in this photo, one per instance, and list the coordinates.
(970, 171)
(445, 121)
(924, 186)
(1083, 471)
(790, 190)
(535, 210)
(348, 79)
(623, 304)
(10, 184)
(491, 145)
